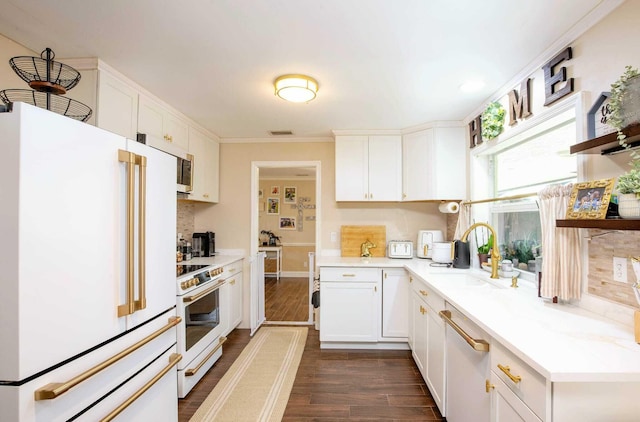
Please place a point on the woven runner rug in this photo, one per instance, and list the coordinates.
(258, 384)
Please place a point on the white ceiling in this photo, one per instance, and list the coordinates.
(380, 64)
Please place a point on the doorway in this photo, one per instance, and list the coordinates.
(286, 204)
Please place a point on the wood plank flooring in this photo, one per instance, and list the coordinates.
(287, 299)
(336, 385)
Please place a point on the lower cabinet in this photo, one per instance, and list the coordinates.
(426, 338)
(233, 309)
(395, 301)
(505, 404)
(350, 303)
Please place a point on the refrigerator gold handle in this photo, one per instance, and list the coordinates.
(173, 361)
(56, 389)
(141, 303)
(130, 159)
(476, 344)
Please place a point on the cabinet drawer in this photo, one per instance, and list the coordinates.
(531, 388)
(350, 274)
(232, 269)
(426, 293)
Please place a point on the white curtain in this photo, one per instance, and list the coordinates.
(463, 220)
(561, 263)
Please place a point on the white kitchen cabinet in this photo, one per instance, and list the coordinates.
(395, 301)
(206, 165)
(233, 274)
(434, 164)
(113, 100)
(164, 129)
(350, 303)
(368, 168)
(505, 404)
(428, 342)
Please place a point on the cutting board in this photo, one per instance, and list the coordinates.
(351, 237)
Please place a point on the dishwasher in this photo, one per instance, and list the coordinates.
(467, 368)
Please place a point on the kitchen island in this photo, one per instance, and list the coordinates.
(588, 366)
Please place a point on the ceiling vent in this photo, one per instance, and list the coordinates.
(280, 132)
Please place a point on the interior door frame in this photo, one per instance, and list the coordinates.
(255, 184)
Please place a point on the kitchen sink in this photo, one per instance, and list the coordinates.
(469, 281)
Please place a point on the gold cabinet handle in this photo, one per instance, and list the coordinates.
(348, 275)
(375, 288)
(476, 344)
(422, 310)
(56, 389)
(232, 282)
(488, 386)
(173, 361)
(410, 279)
(193, 298)
(424, 293)
(507, 371)
(192, 371)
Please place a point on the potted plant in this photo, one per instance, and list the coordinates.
(485, 248)
(628, 186)
(272, 239)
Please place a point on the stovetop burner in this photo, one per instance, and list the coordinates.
(187, 268)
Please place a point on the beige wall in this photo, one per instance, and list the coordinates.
(8, 49)
(231, 218)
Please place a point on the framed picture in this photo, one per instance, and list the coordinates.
(273, 205)
(590, 200)
(275, 190)
(287, 223)
(290, 194)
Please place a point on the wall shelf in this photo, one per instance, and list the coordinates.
(608, 144)
(607, 224)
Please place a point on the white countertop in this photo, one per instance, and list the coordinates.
(564, 343)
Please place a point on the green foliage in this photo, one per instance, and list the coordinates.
(486, 248)
(629, 182)
(492, 121)
(618, 90)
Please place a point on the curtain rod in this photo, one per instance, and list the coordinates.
(504, 198)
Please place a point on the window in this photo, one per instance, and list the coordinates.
(538, 157)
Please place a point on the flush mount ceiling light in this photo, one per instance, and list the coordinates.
(296, 88)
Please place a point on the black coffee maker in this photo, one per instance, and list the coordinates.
(204, 244)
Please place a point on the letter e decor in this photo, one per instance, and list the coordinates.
(551, 79)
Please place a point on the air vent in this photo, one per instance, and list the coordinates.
(280, 132)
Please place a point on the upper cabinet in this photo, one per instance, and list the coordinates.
(206, 176)
(368, 168)
(164, 129)
(434, 164)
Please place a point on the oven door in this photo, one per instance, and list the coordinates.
(201, 311)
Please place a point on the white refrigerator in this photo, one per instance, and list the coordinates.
(87, 292)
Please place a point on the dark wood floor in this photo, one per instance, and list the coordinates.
(287, 299)
(336, 385)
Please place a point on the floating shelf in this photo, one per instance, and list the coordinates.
(607, 224)
(608, 144)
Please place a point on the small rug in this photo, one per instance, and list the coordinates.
(258, 384)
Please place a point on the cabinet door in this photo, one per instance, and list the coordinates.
(352, 179)
(176, 130)
(117, 109)
(448, 154)
(235, 299)
(395, 301)
(150, 116)
(349, 311)
(420, 332)
(385, 168)
(435, 374)
(506, 406)
(416, 172)
(212, 171)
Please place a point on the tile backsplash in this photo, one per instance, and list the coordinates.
(603, 247)
(185, 219)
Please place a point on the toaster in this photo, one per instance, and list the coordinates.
(426, 239)
(400, 249)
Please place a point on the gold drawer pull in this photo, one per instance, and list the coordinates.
(348, 275)
(424, 293)
(56, 389)
(422, 310)
(515, 378)
(173, 361)
(192, 371)
(488, 386)
(476, 344)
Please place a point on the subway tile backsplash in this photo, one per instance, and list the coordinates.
(185, 219)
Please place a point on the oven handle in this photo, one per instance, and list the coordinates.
(56, 389)
(173, 361)
(202, 293)
(192, 371)
(476, 344)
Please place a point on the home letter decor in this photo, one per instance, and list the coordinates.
(551, 79)
(519, 108)
(475, 132)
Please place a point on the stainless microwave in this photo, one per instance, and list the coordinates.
(185, 173)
